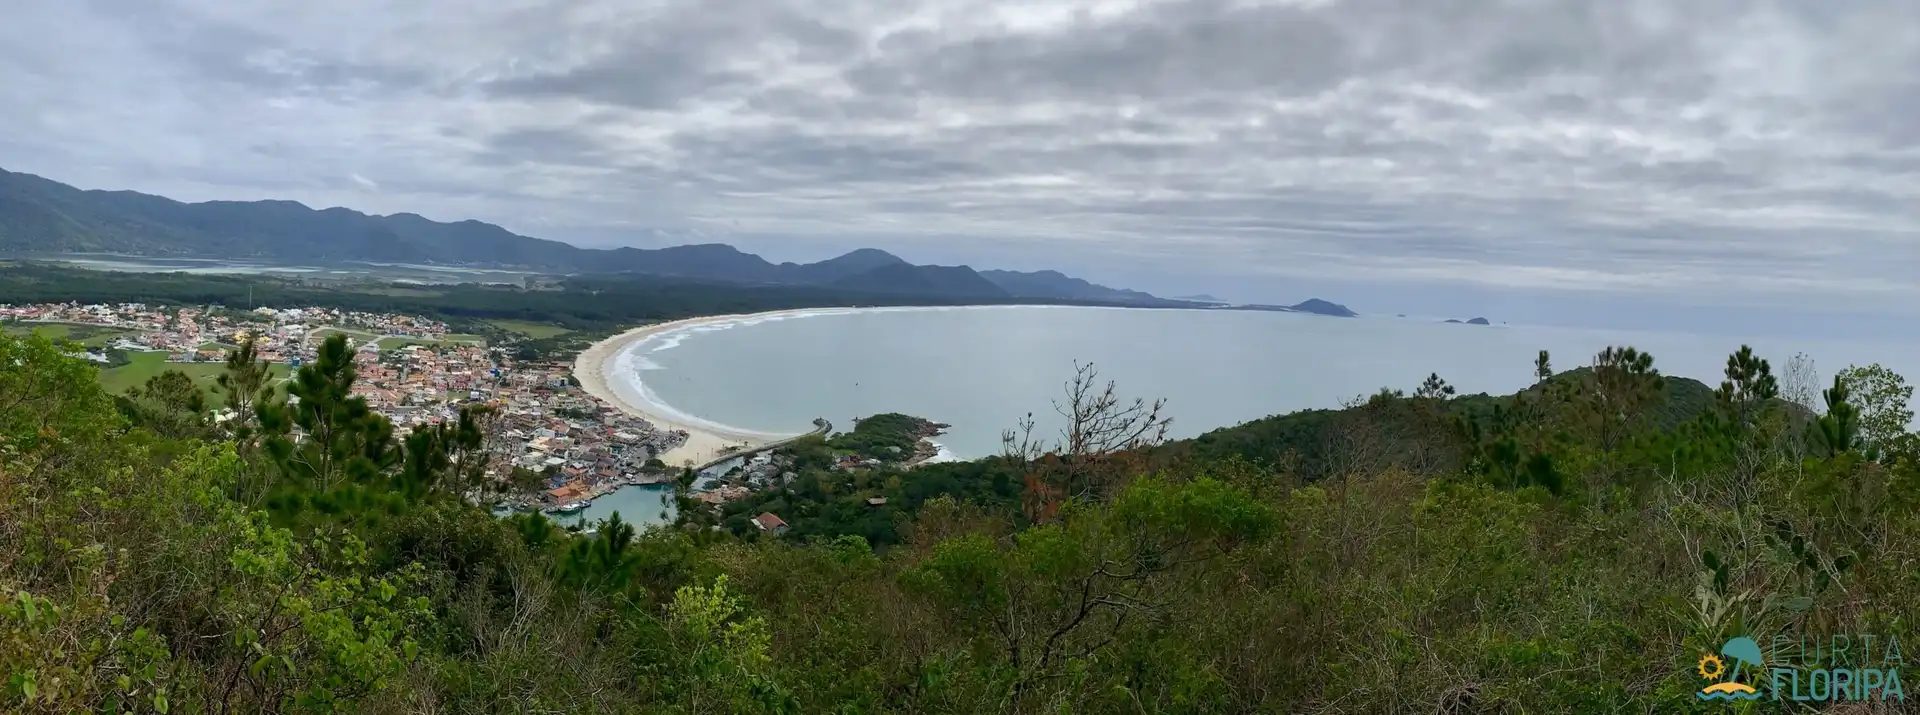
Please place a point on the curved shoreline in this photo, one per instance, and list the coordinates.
(705, 441)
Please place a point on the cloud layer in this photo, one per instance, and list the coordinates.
(1709, 147)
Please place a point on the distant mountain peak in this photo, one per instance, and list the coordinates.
(716, 248)
(873, 254)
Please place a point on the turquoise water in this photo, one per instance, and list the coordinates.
(982, 369)
(641, 505)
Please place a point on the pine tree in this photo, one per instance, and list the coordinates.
(1837, 431)
(340, 439)
(1748, 389)
(246, 384)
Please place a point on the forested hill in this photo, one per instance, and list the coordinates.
(1409, 430)
(579, 302)
(1566, 550)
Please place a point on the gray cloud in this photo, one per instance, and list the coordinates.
(1721, 150)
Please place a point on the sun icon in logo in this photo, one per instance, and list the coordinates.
(1712, 667)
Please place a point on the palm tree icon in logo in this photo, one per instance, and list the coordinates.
(1744, 652)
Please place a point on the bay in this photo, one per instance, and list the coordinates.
(981, 369)
(641, 505)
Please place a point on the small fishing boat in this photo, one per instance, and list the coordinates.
(568, 508)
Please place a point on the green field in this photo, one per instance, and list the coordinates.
(389, 342)
(357, 336)
(394, 341)
(531, 329)
(399, 291)
(92, 336)
(452, 339)
(141, 366)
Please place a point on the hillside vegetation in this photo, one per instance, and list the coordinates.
(1571, 549)
(586, 302)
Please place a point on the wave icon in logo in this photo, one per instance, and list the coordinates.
(1743, 651)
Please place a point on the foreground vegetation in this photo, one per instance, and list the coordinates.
(142, 367)
(1572, 548)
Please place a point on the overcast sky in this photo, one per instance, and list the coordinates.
(1536, 160)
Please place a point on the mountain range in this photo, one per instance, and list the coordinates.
(39, 215)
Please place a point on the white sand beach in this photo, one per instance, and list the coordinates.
(596, 370)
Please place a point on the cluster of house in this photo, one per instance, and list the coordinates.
(544, 422)
(190, 334)
(181, 332)
(415, 384)
(758, 472)
(396, 324)
(582, 447)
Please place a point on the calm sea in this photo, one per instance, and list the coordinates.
(982, 368)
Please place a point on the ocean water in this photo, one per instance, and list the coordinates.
(981, 369)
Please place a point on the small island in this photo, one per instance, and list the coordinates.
(888, 438)
(1473, 321)
(1314, 306)
(1317, 306)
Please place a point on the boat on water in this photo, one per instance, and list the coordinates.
(568, 508)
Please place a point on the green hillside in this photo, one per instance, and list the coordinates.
(1591, 545)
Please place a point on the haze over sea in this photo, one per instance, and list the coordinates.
(981, 369)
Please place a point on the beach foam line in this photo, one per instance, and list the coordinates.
(940, 454)
(629, 364)
(611, 370)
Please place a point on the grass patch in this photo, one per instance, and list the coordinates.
(391, 342)
(399, 291)
(143, 366)
(395, 341)
(358, 337)
(537, 331)
(92, 336)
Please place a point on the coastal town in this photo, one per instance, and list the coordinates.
(554, 447)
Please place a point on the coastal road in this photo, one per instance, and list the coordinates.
(821, 428)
